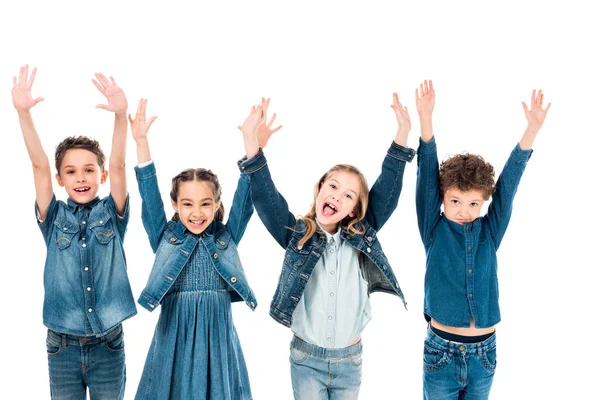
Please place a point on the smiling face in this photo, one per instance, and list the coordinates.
(80, 175)
(462, 207)
(337, 199)
(196, 205)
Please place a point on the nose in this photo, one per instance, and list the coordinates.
(80, 177)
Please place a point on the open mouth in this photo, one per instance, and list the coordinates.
(82, 189)
(196, 223)
(328, 209)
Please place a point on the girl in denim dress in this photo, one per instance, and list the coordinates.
(195, 352)
(333, 261)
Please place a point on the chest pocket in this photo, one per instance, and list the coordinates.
(65, 231)
(102, 227)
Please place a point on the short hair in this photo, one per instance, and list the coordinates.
(467, 172)
(78, 142)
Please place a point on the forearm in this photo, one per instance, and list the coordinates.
(143, 150)
(528, 138)
(38, 157)
(251, 145)
(426, 127)
(119, 143)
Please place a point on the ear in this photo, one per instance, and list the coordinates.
(60, 182)
(218, 205)
(174, 204)
(103, 177)
(352, 214)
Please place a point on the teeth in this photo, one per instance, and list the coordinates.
(330, 206)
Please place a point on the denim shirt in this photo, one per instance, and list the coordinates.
(299, 261)
(173, 244)
(86, 287)
(461, 279)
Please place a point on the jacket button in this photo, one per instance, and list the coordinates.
(172, 239)
(222, 243)
(215, 255)
(233, 279)
(299, 247)
(101, 222)
(252, 303)
(368, 249)
(369, 238)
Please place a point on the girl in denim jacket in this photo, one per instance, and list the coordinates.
(195, 352)
(333, 261)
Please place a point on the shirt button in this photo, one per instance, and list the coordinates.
(471, 295)
(331, 294)
(332, 272)
(83, 222)
(64, 229)
(331, 251)
(368, 249)
(84, 245)
(86, 268)
(469, 248)
(90, 310)
(89, 289)
(330, 317)
(83, 238)
(470, 271)
(233, 279)
(215, 255)
(329, 339)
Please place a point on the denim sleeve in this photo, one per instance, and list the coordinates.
(272, 208)
(428, 193)
(500, 209)
(385, 192)
(120, 222)
(153, 210)
(241, 209)
(46, 224)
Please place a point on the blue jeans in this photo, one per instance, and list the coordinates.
(321, 374)
(454, 370)
(77, 363)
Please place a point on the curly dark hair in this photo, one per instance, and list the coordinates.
(78, 142)
(467, 172)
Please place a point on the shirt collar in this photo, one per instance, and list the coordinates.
(335, 238)
(73, 205)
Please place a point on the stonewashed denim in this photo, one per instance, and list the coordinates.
(461, 279)
(78, 363)
(173, 246)
(86, 287)
(325, 374)
(300, 261)
(454, 370)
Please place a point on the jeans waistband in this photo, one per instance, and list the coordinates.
(73, 340)
(323, 352)
(458, 347)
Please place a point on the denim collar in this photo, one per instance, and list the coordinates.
(73, 205)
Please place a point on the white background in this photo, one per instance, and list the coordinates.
(330, 69)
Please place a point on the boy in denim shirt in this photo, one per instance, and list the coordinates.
(87, 292)
(461, 282)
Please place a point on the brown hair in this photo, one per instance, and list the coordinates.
(78, 142)
(202, 175)
(351, 224)
(467, 172)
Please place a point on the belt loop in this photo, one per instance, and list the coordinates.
(63, 340)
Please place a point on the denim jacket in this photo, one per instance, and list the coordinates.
(300, 261)
(461, 279)
(173, 244)
(86, 287)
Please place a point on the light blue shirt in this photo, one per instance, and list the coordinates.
(334, 308)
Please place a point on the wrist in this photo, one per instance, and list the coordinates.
(24, 112)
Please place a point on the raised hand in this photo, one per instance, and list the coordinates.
(537, 114)
(139, 125)
(264, 131)
(425, 99)
(21, 90)
(117, 102)
(256, 117)
(403, 120)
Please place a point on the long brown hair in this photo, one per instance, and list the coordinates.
(201, 175)
(351, 224)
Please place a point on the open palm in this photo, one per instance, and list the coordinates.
(21, 90)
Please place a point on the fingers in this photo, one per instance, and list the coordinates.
(102, 79)
(100, 88)
(103, 106)
(38, 100)
(130, 119)
(525, 108)
(32, 77)
(276, 129)
(143, 109)
(23, 73)
(151, 121)
(547, 107)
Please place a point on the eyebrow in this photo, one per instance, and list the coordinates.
(205, 199)
(85, 165)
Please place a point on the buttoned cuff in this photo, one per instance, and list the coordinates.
(400, 152)
(145, 171)
(250, 166)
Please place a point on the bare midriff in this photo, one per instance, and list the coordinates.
(470, 331)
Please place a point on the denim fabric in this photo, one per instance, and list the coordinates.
(173, 245)
(77, 364)
(322, 374)
(86, 287)
(461, 279)
(458, 370)
(300, 261)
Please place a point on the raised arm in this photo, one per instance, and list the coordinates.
(385, 192)
(428, 194)
(117, 103)
(153, 210)
(23, 102)
(500, 209)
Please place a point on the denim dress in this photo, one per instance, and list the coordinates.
(195, 352)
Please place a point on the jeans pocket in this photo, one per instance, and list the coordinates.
(356, 359)
(53, 343)
(434, 360)
(298, 356)
(488, 358)
(114, 340)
